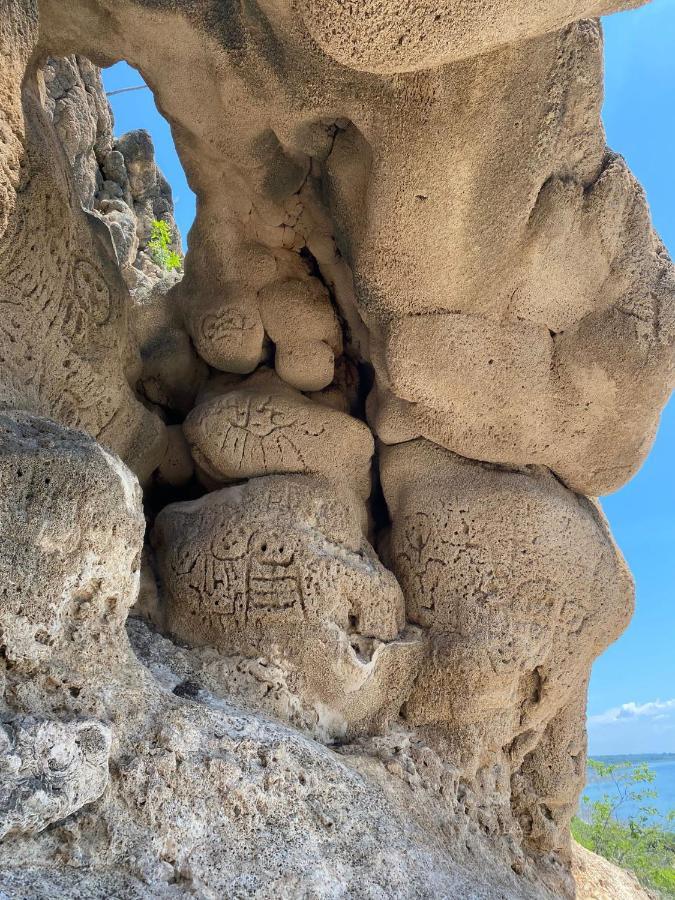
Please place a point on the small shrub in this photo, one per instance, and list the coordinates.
(644, 842)
(159, 247)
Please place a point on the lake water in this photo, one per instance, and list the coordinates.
(662, 764)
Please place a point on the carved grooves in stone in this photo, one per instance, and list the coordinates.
(504, 583)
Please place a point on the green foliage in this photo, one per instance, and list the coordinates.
(160, 249)
(643, 842)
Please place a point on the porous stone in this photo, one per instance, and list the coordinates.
(488, 259)
(280, 566)
(76, 102)
(64, 308)
(70, 528)
(409, 228)
(395, 37)
(189, 776)
(549, 386)
(264, 427)
(517, 581)
(170, 372)
(49, 770)
(177, 467)
(18, 36)
(597, 878)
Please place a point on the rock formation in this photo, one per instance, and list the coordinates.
(424, 321)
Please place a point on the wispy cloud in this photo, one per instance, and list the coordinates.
(629, 712)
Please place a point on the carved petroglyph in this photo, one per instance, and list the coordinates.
(407, 215)
(64, 310)
(279, 566)
(512, 574)
(273, 553)
(264, 427)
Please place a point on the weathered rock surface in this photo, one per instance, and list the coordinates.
(64, 309)
(70, 528)
(49, 770)
(82, 118)
(280, 567)
(191, 776)
(117, 178)
(264, 427)
(596, 878)
(423, 320)
(394, 37)
(516, 580)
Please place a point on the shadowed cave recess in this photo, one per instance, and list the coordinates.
(301, 570)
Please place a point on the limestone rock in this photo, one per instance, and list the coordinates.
(488, 258)
(597, 878)
(409, 212)
(394, 37)
(264, 427)
(70, 528)
(305, 349)
(170, 373)
(131, 164)
(517, 580)
(18, 36)
(48, 770)
(295, 314)
(76, 101)
(550, 387)
(64, 308)
(279, 566)
(119, 179)
(177, 467)
(191, 777)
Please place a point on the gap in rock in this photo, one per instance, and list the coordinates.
(137, 109)
(134, 111)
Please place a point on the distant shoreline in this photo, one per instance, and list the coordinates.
(631, 757)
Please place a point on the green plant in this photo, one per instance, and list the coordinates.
(159, 246)
(643, 842)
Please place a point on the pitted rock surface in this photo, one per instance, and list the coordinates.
(341, 467)
(49, 770)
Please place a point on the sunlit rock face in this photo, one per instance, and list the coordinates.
(423, 322)
(398, 36)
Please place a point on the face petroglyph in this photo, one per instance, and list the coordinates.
(423, 322)
(272, 555)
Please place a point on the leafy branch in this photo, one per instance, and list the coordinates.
(643, 842)
(159, 246)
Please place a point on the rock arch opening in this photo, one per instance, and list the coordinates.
(455, 242)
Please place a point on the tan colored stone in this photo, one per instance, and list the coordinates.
(170, 373)
(18, 36)
(547, 389)
(405, 201)
(517, 580)
(397, 37)
(538, 230)
(64, 309)
(49, 770)
(190, 777)
(298, 317)
(597, 878)
(279, 566)
(264, 427)
(177, 467)
(70, 535)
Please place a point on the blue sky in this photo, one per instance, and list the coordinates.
(632, 694)
(631, 701)
(138, 110)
